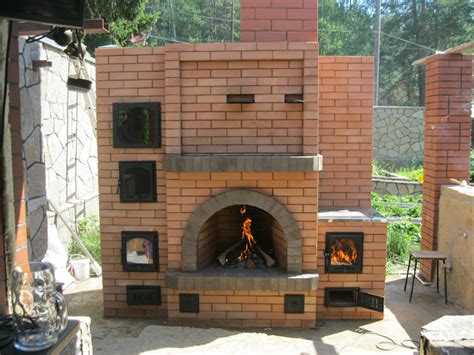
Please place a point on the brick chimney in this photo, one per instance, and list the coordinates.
(279, 20)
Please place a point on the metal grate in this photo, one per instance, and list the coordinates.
(189, 303)
(143, 295)
(294, 304)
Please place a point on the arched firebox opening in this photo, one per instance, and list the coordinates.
(217, 223)
(243, 237)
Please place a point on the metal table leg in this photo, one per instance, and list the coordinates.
(445, 284)
(437, 276)
(413, 280)
(408, 271)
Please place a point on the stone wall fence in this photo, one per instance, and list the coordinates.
(398, 135)
(59, 142)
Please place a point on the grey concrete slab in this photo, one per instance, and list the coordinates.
(403, 320)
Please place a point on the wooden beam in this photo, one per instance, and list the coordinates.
(91, 26)
(458, 49)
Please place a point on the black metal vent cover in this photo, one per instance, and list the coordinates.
(344, 240)
(143, 295)
(189, 303)
(240, 98)
(137, 181)
(294, 304)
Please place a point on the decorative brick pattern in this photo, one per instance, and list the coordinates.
(207, 124)
(188, 206)
(278, 20)
(242, 309)
(372, 278)
(447, 137)
(346, 131)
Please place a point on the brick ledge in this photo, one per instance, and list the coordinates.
(243, 163)
(241, 280)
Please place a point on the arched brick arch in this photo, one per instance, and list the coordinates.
(242, 197)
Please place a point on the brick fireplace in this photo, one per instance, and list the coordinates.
(190, 133)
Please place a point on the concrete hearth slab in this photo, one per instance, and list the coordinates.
(403, 320)
(218, 278)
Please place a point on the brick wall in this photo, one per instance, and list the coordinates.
(372, 278)
(243, 309)
(128, 75)
(447, 136)
(200, 121)
(269, 126)
(191, 82)
(187, 191)
(346, 85)
(278, 20)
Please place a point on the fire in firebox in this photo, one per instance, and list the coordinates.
(246, 253)
(343, 252)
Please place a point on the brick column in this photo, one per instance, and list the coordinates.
(278, 20)
(447, 136)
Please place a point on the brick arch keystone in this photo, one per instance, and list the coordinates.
(243, 197)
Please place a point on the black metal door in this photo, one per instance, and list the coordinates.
(369, 301)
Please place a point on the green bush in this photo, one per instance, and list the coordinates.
(402, 236)
(89, 233)
(387, 205)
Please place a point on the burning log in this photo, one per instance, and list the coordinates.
(268, 259)
(246, 253)
(223, 256)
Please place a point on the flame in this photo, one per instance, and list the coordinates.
(247, 235)
(243, 210)
(343, 251)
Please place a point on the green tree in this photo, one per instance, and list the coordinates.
(195, 21)
(415, 29)
(126, 18)
(345, 27)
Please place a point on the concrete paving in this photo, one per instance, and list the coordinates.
(402, 322)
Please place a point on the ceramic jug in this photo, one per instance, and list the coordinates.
(39, 311)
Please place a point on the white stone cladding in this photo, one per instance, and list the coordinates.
(59, 142)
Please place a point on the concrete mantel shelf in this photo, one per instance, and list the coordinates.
(217, 278)
(243, 163)
(333, 214)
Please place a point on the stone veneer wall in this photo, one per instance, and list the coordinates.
(456, 241)
(372, 278)
(59, 142)
(398, 135)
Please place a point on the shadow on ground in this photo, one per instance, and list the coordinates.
(402, 322)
